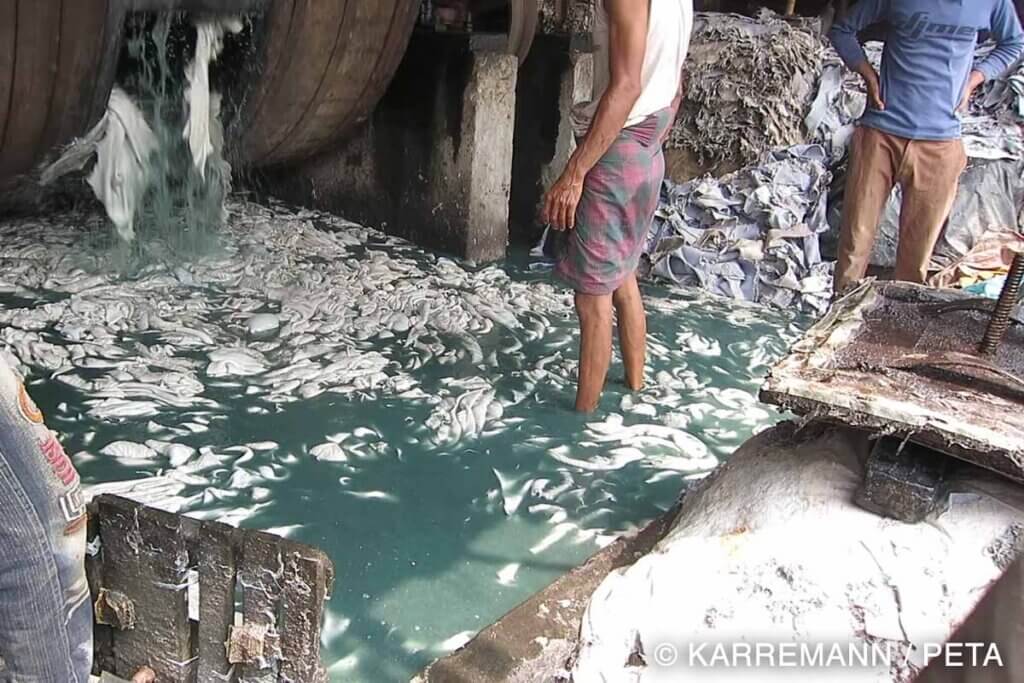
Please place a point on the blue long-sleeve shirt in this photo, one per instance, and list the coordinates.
(928, 58)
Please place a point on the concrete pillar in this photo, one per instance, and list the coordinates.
(485, 154)
(557, 75)
(433, 163)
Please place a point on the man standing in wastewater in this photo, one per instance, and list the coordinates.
(607, 195)
(45, 611)
(910, 132)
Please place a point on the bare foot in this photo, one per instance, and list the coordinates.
(144, 675)
(634, 385)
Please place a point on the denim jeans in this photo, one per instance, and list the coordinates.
(45, 610)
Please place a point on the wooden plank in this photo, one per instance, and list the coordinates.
(313, 39)
(147, 561)
(217, 571)
(102, 636)
(260, 573)
(111, 43)
(274, 32)
(142, 575)
(119, 536)
(341, 105)
(327, 64)
(356, 30)
(306, 586)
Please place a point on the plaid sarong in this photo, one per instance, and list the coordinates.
(620, 196)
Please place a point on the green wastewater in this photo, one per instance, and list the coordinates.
(432, 542)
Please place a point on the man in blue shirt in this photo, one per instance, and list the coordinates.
(910, 133)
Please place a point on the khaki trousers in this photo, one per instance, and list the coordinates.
(927, 171)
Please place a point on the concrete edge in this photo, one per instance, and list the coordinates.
(534, 641)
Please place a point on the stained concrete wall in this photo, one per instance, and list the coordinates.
(433, 163)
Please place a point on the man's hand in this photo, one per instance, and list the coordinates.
(561, 201)
(627, 38)
(976, 79)
(874, 85)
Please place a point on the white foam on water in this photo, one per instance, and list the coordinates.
(507, 574)
(129, 450)
(285, 531)
(382, 496)
(554, 536)
(455, 642)
(514, 489)
(329, 452)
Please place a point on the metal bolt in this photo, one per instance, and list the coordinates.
(1001, 317)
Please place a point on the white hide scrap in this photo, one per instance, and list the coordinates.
(771, 549)
(122, 163)
(204, 108)
(296, 311)
(123, 143)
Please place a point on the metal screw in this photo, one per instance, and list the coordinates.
(1000, 321)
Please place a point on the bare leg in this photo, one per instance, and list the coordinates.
(595, 313)
(629, 308)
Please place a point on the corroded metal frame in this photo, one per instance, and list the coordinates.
(945, 398)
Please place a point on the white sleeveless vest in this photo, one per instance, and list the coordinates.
(668, 39)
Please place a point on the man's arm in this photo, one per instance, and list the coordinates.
(627, 33)
(843, 33)
(844, 38)
(1006, 30)
(1009, 39)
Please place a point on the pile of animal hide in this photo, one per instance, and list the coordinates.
(752, 235)
(723, 235)
(749, 81)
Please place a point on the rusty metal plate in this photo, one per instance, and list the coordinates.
(901, 360)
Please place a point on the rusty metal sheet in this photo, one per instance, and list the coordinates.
(901, 359)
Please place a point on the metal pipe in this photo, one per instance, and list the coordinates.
(1000, 321)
